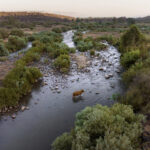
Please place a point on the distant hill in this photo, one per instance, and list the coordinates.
(34, 16)
(24, 13)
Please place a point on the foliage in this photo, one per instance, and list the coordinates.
(129, 75)
(136, 60)
(3, 50)
(99, 46)
(130, 58)
(17, 32)
(62, 63)
(57, 30)
(17, 83)
(63, 143)
(131, 38)
(56, 49)
(84, 45)
(15, 43)
(92, 52)
(138, 93)
(4, 33)
(100, 127)
(110, 39)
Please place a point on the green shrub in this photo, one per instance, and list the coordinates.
(138, 93)
(17, 83)
(15, 43)
(31, 38)
(57, 49)
(84, 46)
(72, 50)
(92, 52)
(3, 59)
(31, 56)
(36, 43)
(63, 142)
(17, 32)
(103, 128)
(3, 50)
(99, 46)
(129, 75)
(62, 63)
(110, 39)
(131, 38)
(130, 58)
(4, 33)
(57, 30)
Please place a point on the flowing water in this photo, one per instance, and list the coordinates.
(52, 109)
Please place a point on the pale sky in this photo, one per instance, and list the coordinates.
(81, 8)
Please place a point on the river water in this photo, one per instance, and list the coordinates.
(53, 112)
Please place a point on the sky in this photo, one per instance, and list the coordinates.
(81, 8)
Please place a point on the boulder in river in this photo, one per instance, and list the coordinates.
(13, 116)
(23, 108)
(107, 76)
(101, 68)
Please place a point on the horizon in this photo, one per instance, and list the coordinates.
(81, 8)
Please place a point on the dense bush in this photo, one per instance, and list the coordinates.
(3, 50)
(15, 43)
(17, 32)
(56, 49)
(17, 83)
(57, 30)
(137, 74)
(138, 93)
(92, 52)
(129, 75)
(103, 128)
(100, 46)
(4, 33)
(62, 63)
(84, 45)
(48, 37)
(130, 58)
(110, 39)
(131, 38)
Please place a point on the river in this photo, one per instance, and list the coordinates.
(51, 113)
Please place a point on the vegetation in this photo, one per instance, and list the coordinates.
(92, 52)
(129, 58)
(17, 32)
(100, 127)
(62, 63)
(131, 39)
(3, 50)
(136, 60)
(89, 43)
(4, 33)
(15, 43)
(17, 83)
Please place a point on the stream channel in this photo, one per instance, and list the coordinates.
(51, 107)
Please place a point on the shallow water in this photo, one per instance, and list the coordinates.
(52, 112)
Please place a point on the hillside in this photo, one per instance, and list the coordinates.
(34, 16)
(24, 13)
